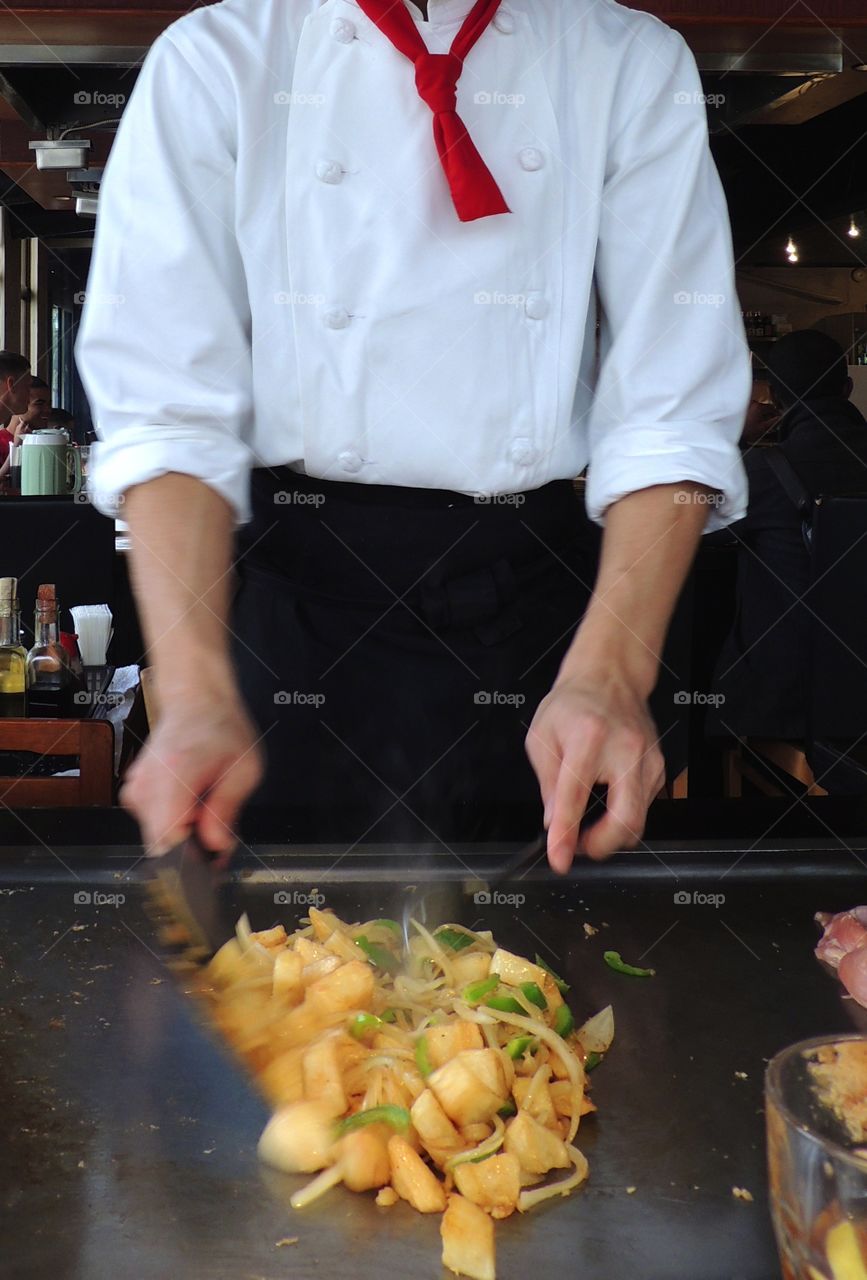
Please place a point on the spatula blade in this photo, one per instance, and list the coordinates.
(193, 893)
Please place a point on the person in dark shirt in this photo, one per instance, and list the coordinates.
(761, 672)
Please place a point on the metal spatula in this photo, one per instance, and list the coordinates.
(193, 895)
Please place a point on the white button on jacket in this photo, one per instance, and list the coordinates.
(242, 311)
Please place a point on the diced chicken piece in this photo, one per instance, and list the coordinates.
(412, 1179)
(324, 923)
(843, 945)
(473, 1134)
(561, 1096)
(350, 986)
(275, 937)
(490, 1067)
(288, 966)
(363, 1156)
(462, 1094)
(311, 951)
(538, 1102)
(282, 1080)
(299, 1138)
(244, 1018)
(536, 1148)
(227, 966)
(323, 1078)
(513, 970)
(844, 932)
(320, 968)
(558, 1069)
(468, 1240)
(451, 1038)
(472, 966)
(493, 1184)
(340, 944)
(437, 1134)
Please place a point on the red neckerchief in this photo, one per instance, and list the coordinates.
(474, 192)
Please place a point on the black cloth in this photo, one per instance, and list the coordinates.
(762, 669)
(393, 645)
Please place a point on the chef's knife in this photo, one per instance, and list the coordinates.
(193, 894)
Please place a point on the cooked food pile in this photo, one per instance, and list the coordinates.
(447, 1072)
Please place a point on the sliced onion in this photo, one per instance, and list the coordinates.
(486, 1148)
(469, 1014)
(323, 1182)
(436, 951)
(243, 932)
(562, 1187)
(597, 1032)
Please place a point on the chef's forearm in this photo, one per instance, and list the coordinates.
(181, 534)
(650, 540)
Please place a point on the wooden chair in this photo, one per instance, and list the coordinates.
(92, 741)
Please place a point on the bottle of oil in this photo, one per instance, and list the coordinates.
(49, 672)
(13, 657)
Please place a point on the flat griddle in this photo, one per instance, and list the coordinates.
(130, 1131)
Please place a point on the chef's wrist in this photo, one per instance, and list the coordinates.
(603, 652)
(196, 676)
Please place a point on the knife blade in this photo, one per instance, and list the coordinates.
(194, 895)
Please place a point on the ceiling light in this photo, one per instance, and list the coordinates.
(854, 230)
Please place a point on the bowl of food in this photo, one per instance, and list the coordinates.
(816, 1114)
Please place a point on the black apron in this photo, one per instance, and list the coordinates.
(393, 645)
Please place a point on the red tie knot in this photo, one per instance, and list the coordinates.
(436, 78)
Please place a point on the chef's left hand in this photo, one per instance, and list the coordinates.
(594, 727)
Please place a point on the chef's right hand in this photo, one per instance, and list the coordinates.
(197, 769)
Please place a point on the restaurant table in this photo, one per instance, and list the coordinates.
(130, 1144)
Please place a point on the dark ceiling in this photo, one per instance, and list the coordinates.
(787, 110)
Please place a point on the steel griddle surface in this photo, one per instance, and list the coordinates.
(130, 1133)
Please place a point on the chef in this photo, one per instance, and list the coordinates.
(372, 284)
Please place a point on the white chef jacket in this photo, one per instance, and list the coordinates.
(280, 277)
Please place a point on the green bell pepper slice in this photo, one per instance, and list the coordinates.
(378, 955)
(613, 960)
(397, 1117)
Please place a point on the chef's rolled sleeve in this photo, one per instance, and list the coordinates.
(164, 344)
(674, 377)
